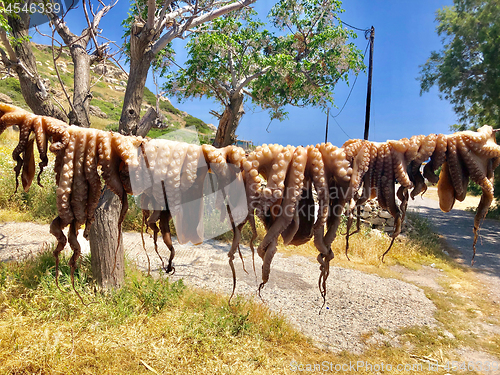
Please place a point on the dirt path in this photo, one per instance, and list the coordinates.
(456, 228)
(358, 303)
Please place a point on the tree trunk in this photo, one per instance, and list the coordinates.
(108, 263)
(226, 132)
(32, 88)
(140, 61)
(81, 89)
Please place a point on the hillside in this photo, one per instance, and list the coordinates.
(108, 89)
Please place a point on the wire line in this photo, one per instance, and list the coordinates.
(352, 88)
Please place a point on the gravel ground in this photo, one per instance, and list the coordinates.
(357, 303)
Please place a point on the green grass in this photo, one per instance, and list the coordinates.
(198, 124)
(11, 87)
(111, 109)
(148, 322)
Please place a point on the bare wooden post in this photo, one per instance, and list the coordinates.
(369, 91)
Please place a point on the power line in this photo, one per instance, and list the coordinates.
(352, 88)
(353, 27)
(348, 136)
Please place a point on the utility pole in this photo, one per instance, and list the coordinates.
(327, 117)
(369, 91)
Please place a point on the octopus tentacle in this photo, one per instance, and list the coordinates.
(446, 191)
(56, 228)
(151, 222)
(75, 246)
(294, 184)
(28, 172)
(57, 131)
(25, 130)
(458, 173)
(315, 170)
(63, 192)
(437, 159)
(478, 168)
(388, 192)
(42, 145)
(165, 218)
(79, 194)
(93, 180)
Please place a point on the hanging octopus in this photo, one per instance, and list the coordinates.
(278, 182)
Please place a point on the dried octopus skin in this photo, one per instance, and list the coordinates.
(56, 228)
(480, 170)
(77, 251)
(268, 257)
(42, 145)
(165, 218)
(270, 161)
(93, 180)
(458, 173)
(420, 186)
(294, 183)
(304, 217)
(413, 145)
(25, 130)
(427, 147)
(385, 165)
(28, 173)
(315, 170)
(360, 162)
(79, 191)
(336, 164)
(446, 191)
(110, 163)
(437, 159)
(400, 168)
(57, 131)
(63, 192)
(172, 178)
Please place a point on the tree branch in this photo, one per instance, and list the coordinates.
(231, 67)
(8, 47)
(207, 17)
(150, 23)
(146, 123)
(249, 79)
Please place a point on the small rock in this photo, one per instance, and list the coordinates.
(377, 221)
(385, 215)
(120, 88)
(96, 111)
(5, 98)
(448, 335)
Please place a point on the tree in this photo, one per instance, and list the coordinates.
(152, 25)
(238, 59)
(14, 34)
(467, 69)
(82, 59)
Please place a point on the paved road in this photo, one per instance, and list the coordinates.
(456, 227)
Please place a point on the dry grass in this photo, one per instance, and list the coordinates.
(155, 326)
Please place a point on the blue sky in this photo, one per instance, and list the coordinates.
(404, 37)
